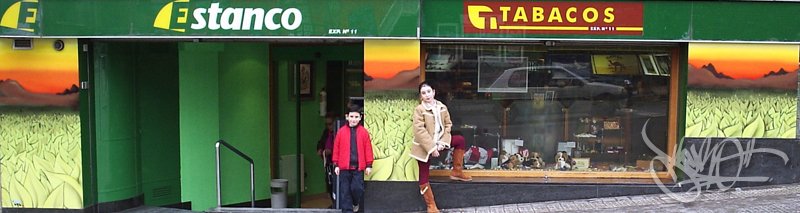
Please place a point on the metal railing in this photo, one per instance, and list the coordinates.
(252, 174)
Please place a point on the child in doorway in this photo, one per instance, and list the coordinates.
(352, 156)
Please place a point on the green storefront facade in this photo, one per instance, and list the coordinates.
(162, 81)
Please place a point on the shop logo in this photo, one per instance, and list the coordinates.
(11, 17)
(553, 17)
(229, 18)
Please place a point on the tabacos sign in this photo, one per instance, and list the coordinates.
(597, 18)
(179, 17)
(21, 15)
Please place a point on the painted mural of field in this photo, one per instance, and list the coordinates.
(41, 157)
(40, 132)
(392, 75)
(387, 116)
(741, 113)
(742, 90)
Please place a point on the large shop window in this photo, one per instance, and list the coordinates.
(519, 106)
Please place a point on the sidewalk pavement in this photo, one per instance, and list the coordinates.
(774, 198)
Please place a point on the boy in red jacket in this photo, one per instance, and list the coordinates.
(352, 156)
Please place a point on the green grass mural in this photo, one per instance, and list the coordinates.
(41, 157)
(741, 113)
(387, 116)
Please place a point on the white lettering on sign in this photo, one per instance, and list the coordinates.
(215, 18)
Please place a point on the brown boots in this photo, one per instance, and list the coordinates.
(456, 174)
(427, 195)
(458, 167)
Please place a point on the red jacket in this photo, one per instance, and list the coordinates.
(341, 148)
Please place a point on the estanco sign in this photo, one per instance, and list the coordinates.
(21, 15)
(219, 17)
(596, 18)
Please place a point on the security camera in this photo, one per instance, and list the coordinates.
(58, 45)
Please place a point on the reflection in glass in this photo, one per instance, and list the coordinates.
(519, 111)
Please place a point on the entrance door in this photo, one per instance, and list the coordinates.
(334, 87)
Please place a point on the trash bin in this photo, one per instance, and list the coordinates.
(278, 187)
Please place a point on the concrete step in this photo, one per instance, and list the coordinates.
(153, 209)
(255, 210)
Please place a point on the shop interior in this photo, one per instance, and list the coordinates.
(554, 107)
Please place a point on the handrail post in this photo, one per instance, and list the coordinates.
(252, 186)
(219, 196)
(252, 173)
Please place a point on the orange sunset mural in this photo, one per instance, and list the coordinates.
(766, 66)
(391, 64)
(41, 76)
(742, 90)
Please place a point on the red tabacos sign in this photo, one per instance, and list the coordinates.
(594, 18)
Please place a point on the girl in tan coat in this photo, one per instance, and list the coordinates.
(431, 129)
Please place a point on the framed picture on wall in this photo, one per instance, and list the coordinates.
(663, 62)
(648, 66)
(616, 65)
(439, 62)
(304, 77)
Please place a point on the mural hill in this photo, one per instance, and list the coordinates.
(773, 73)
(708, 77)
(406, 79)
(14, 94)
(710, 67)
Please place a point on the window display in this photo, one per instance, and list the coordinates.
(531, 107)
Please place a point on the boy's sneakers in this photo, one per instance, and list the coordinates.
(355, 208)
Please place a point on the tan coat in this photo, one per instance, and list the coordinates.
(423, 129)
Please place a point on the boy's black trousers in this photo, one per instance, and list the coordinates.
(352, 189)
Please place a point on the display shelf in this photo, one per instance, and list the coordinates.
(552, 174)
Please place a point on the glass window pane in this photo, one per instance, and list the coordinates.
(518, 106)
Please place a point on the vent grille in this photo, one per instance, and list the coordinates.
(161, 192)
(23, 44)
